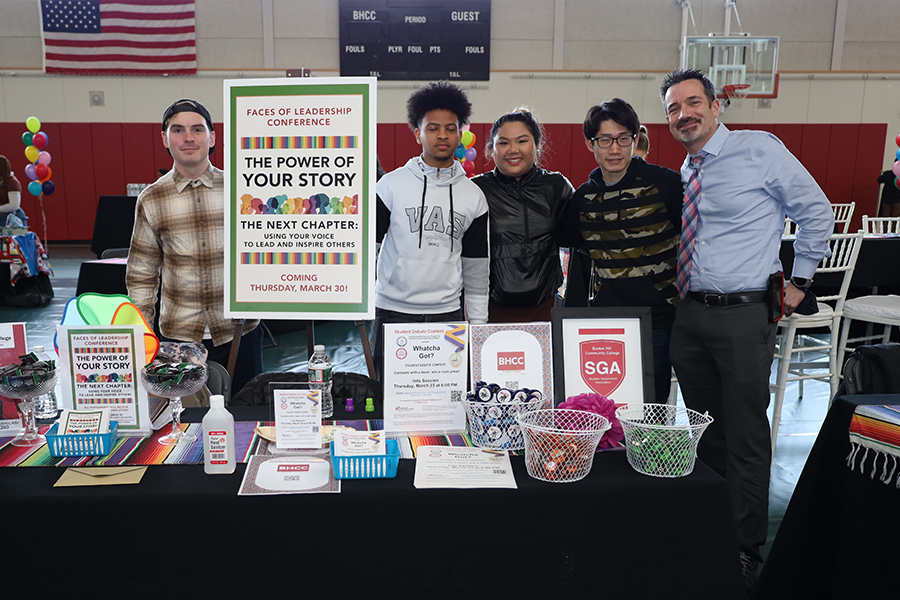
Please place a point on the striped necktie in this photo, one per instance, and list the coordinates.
(689, 226)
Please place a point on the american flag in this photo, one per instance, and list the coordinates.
(124, 37)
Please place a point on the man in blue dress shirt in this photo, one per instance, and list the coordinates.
(723, 340)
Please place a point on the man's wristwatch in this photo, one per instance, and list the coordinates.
(801, 283)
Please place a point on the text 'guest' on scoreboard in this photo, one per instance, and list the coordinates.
(416, 39)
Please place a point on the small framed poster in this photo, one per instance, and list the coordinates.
(513, 355)
(100, 365)
(603, 350)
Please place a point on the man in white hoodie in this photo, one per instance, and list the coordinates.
(432, 224)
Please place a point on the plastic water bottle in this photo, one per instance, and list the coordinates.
(319, 376)
(46, 406)
(218, 438)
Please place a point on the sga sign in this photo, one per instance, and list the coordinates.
(602, 365)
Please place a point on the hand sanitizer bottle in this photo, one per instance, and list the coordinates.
(218, 438)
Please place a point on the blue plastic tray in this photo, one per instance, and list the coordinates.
(367, 466)
(89, 444)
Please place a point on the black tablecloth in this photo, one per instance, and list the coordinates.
(839, 536)
(113, 224)
(615, 532)
(102, 277)
(878, 265)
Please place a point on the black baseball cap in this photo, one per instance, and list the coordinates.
(188, 105)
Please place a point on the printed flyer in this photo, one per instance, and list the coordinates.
(298, 418)
(12, 346)
(425, 376)
(98, 369)
(300, 162)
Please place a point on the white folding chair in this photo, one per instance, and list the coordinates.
(880, 225)
(874, 309)
(842, 215)
(790, 227)
(844, 251)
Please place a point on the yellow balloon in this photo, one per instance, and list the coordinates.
(32, 153)
(468, 139)
(33, 124)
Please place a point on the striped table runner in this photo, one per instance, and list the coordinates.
(133, 450)
(148, 451)
(876, 429)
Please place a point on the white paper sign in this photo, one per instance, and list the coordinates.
(268, 475)
(100, 366)
(11, 427)
(425, 371)
(12, 345)
(462, 467)
(298, 418)
(349, 442)
(80, 422)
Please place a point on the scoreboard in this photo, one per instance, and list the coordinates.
(416, 39)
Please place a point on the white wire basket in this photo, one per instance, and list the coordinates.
(560, 443)
(660, 439)
(494, 424)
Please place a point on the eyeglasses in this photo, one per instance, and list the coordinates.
(606, 141)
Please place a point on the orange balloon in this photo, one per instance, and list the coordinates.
(129, 314)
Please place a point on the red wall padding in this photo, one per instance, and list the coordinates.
(95, 159)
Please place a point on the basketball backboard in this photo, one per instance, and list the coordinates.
(730, 60)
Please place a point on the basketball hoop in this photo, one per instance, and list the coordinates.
(735, 94)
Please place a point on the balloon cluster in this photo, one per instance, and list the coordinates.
(108, 309)
(896, 168)
(466, 153)
(38, 169)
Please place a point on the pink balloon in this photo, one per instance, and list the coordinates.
(896, 168)
(29, 172)
(44, 158)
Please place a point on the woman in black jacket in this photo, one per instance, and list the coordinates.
(531, 217)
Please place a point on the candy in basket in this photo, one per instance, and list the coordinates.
(560, 443)
(660, 439)
(491, 413)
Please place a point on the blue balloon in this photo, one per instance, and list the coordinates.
(35, 188)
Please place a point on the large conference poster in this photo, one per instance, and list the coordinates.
(300, 162)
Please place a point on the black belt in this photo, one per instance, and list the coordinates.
(727, 299)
